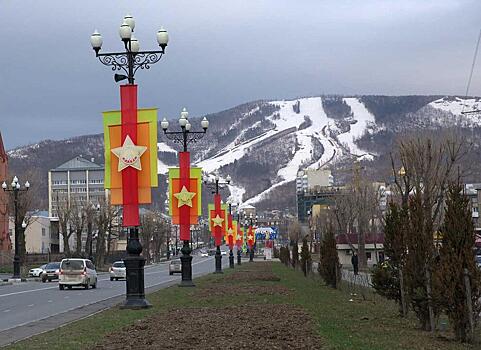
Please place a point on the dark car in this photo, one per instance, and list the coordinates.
(51, 272)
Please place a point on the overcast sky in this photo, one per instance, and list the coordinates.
(224, 52)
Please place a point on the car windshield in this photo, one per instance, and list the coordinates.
(118, 264)
(71, 265)
(54, 265)
(175, 262)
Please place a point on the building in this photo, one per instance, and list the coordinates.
(78, 181)
(41, 233)
(374, 248)
(5, 243)
(311, 179)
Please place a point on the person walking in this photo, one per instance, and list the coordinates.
(355, 262)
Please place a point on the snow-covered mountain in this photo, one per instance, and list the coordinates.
(263, 144)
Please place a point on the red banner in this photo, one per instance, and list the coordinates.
(230, 233)
(184, 211)
(130, 191)
(250, 237)
(240, 236)
(218, 211)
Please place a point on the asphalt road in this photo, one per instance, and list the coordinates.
(28, 302)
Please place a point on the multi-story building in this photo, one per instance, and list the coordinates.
(41, 233)
(310, 179)
(5, 243)
(76, 182)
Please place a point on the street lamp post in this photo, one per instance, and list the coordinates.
(184, 137)
(214, 186)
(16, 188)
(129, 61)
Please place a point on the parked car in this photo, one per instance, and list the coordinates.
(175, 266)
(50, 272)
(117, 270)
(36, 272)
(203, 253)
(77, 272)
(223, 252)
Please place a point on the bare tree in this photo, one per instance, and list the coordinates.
(77, 223)
(428, 163)
(106, 216)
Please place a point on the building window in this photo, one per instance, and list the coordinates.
(43, 232)
(368, 256)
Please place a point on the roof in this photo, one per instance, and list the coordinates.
(78, 163)
(371, 238)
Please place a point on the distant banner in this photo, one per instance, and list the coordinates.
(266, 233)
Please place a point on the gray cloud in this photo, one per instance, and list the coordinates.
(223, 53)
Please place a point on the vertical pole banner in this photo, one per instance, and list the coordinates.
(240, 236)
(230, 232)
(130, 192)
(184, 210)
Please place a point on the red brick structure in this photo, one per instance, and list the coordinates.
(5, 244)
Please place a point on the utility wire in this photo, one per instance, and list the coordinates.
(472, 69)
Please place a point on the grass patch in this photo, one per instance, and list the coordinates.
(371, 324)
(367, 322)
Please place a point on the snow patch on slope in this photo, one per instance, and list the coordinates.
(363, 119)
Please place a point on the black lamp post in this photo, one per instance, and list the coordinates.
(16, 188)
(184, 137)
(129, 61)
(214, 186)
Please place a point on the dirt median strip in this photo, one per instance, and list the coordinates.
(233, 327)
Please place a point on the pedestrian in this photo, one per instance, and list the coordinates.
(355, 262)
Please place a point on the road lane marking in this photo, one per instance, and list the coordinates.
(46, 288)
(31, 305)
(50, 301)
(93, 302)
(8, 310)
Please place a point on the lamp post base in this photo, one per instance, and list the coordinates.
(239, 257)
(186, 260)
(218, 261)
(135, 299)
(231, 259)
(16, 267)
(251, 255)
(134, 265)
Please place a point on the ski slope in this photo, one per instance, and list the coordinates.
(284, 119)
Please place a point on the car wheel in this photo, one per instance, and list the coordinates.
(171, 273)
(111, 278)
(49, 280)
(44, 280)
(60, 286)
(69, 287)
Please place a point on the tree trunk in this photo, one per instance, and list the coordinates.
(89, 238)
(78, 248)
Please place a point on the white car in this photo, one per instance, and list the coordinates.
(223, 252)
(117, 270)
(77, 272)
(203, 254)
(36, 272)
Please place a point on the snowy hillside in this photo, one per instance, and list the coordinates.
(262, 144)
(309, 124)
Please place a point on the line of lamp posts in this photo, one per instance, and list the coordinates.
(129, 61)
